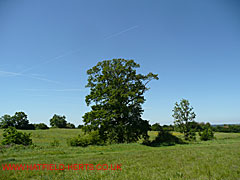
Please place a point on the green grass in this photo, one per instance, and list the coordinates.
(217, 159)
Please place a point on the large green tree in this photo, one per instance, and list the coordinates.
(184, 118)
(116, 96)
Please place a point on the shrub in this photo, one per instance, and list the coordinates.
(91, 138)
(207, 134)
(12, 136)
(163, 138)
(156, 127)
(41, 126)
(80, 126)
(70, 126)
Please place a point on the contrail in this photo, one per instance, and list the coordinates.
(10, 74)
(121, 32)
(55, 90)
(56, 58)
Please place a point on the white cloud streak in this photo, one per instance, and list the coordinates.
(121, 32)
(56, 90)
(54, 59)
(14, 74)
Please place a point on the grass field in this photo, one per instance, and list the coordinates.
(217, 159)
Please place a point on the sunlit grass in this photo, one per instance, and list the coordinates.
(217, 159)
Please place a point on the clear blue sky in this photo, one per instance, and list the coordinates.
(46, 47)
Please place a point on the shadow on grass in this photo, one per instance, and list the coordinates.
(164, 138)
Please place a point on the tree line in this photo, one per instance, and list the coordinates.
(20, 121)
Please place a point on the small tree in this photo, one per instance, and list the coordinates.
(207, 133)
(184, 115)
(12, 136)
(58, 121)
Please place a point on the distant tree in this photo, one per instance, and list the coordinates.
(20, 120)
(116, 91)
(184, 116)
(168, 127)
(70, 126)
(80, 126)
(41, 126)
(156, 127)
(58, 121)
(6, 121)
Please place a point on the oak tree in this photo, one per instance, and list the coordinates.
(116, 98)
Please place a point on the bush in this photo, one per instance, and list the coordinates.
(207, 134)
(163, 138)
(41, 126)
(156, 127)
(70, 126)
(80, 126)
(12, 136)
(92, 138)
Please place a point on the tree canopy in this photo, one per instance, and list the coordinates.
(18, 120)
(116, 96)
(58, 121)
(184, 116)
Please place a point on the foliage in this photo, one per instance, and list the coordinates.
(6, 121)
(12, 136)
(207, 133)
(91, 138)
(156, 127)
(168, 127)
(227, 128)
(184, 116)
(163, 138)
(70, 126)
(80, 126)
(41, 126)
(18, 120)
(116, 91)
(58, 121)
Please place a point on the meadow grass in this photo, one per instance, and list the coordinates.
(216, 159)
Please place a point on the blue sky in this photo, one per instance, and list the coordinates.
(46, 47)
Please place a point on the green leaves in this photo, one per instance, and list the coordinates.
(183, 115)
(116, 90)
(12, 136)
